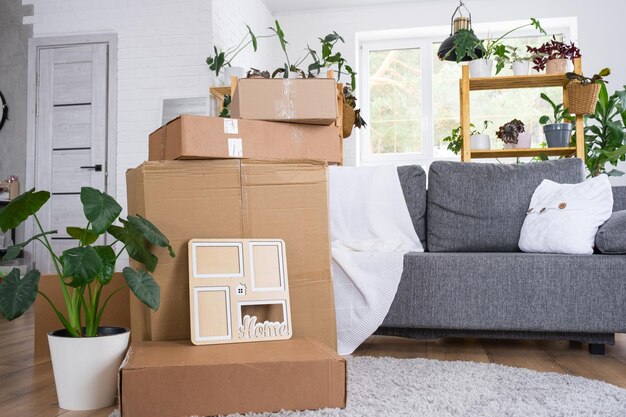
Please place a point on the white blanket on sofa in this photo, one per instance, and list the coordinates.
(371, 230)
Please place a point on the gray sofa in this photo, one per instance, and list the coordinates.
(472, 280)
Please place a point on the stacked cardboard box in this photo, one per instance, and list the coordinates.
(201, 183)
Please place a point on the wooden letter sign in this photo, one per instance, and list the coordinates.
(238, 291)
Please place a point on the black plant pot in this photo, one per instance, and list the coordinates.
(558, 134)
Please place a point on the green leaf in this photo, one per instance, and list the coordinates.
(286, 72)
(100, 208)
(135, 244)
(605, 72)
(253, 37)
(150, 232)
(143, 286)
(14, 251)
(17, 295)
(107, 256)
(615, 173)
(81, 264)
(465, 44)
(544, 119)
(535, 23)
(21, 208)
(86, 236)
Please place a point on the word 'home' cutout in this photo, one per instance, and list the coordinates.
(238, 291)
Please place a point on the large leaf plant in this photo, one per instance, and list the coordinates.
(605, 133)
(82, 271)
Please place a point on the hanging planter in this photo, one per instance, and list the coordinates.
(583, 91)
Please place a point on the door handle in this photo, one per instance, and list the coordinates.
(97, 167)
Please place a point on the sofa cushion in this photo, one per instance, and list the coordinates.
(611, 237)
(619, 198)
(413, 181)
(477, 207)
(511, 291)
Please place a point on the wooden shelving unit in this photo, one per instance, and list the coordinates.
(467, 84)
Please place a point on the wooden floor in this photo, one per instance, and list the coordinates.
(27, 388)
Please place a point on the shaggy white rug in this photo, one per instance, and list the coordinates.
(387, 387)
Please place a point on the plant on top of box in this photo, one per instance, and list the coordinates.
(221, 59)
(553, 55)
(329, 59)
(82, 272)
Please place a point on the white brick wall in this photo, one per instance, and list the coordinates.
(162, 47)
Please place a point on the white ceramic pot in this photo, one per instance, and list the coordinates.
(520, 67)
(481, 68)
(523, 141)
(556, 66)
(480, 142)
(85, 368)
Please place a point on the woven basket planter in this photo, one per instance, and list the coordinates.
(348, 119)
(582, 98)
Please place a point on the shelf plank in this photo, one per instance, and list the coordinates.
(523, 152)
(517, 81)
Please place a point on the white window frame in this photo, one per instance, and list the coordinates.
(424, 38)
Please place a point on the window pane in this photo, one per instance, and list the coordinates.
(395, 124)
(498, 106)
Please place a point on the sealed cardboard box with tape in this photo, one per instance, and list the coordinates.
(296, 100)
(236, 199)
(203, 137)
(175, 378)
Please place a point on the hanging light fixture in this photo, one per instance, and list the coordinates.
(446, 50)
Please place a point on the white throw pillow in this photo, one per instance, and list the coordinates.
(564, 218)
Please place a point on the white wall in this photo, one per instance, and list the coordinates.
(600, 29)
(163, 45)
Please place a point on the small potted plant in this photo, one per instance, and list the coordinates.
(351, 115)
(514, 135)
(558, 129)
(553, 56)
(85, 355)
(495, 49)
(583, 91)
(520, 64)
(479, 140)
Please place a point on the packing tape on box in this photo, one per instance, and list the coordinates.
(231, 127)
(284, 108)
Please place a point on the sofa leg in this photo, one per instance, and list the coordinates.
(596, 348)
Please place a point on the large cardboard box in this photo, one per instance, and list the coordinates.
(202, 137)
(236, 199)
(165, 379)
(117, 312)
(299, 100)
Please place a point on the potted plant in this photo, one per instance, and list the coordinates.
(557, 129)
(221, 61)
(583, 91)
(351, 115)
(605, 133)
(329, 59)
(479, 140)
(514, 134)
(495, 49)
(85, 355)
(520, 64)
(553, 56)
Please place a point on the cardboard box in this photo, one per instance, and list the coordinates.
(9, 190)
(117, 312)
(165, 379)
(236, 199)
(202, 137)
(299, 100)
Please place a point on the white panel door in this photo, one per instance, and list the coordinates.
(71, 136)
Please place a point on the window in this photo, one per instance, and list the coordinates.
(410, 99)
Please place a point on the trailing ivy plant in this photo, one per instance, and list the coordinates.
(605, 133)
(82, 271)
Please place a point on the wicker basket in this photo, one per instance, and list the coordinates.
(348, 119)
(582, 98)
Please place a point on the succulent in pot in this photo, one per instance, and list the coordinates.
(514, 134)
(85, 355)
(583, 91)
(553, 56)
(558, 129)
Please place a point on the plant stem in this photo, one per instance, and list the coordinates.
(61, 317)
(106, 301)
